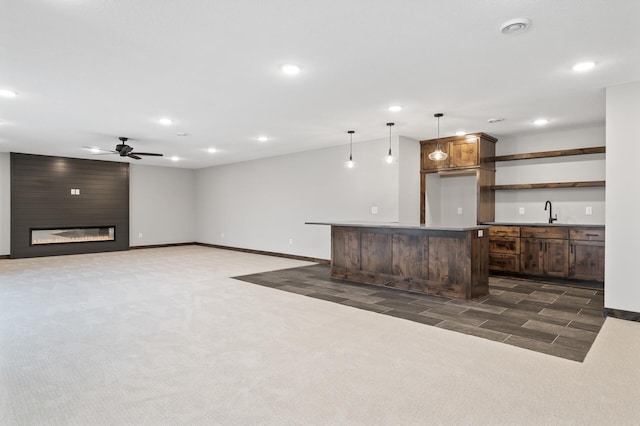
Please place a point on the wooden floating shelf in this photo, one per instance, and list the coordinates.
(585, 184)
(549, 154)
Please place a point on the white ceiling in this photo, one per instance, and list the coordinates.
(88, 71)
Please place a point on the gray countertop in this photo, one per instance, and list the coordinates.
(567, 225)
(398, 225)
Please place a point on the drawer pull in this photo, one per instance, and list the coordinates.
(592, 235)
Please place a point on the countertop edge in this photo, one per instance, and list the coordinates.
(555, 225)
(396, 225)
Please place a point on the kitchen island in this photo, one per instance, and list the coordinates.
(446, 261)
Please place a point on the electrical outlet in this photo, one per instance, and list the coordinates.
(459, 210)
(139, 234)
(521, 210)
(588, 211)
(374, 210)
(222, 235)
(290, 241)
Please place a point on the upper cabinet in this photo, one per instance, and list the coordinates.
(472, 150)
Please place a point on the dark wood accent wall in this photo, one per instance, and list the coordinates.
(41, 198)
(448, 263)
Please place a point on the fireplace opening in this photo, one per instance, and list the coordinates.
(72, 235)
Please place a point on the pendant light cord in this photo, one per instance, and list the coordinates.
(351, 132)
(390, 125)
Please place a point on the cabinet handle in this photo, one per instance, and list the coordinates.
(571, 248)
(540, 245)
(592, 235)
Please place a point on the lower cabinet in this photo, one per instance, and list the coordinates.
(548, 251)
(504, 248)
(586, 254)
(544, 257)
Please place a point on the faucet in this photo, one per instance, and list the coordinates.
(551, 219)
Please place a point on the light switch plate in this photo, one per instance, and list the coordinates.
(588, 211)
(521, 210)
(374, 210)
(459, 210)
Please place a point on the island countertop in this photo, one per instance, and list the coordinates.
(399, 225)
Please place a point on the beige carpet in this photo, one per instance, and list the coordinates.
(165, 337)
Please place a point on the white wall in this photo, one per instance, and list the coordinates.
(409, 175)
(263, 204)
(569, 203)
(622, 284)
(446, 194)
(5, 204)
(162, 205)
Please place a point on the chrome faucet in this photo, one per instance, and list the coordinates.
(551, 219)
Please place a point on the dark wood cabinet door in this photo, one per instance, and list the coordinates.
(463, 153)
(430, 165)
(556, 258)
(586, 260)
(532, 256)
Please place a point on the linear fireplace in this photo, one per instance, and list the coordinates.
(83, 234)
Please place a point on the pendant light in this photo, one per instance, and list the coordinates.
(350, 164)
(389, 158)
(438, 154)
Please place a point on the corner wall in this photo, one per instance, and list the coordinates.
(622, 284)
(162, 205)
(264, 204)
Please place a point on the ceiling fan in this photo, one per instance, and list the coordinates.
(124, 150)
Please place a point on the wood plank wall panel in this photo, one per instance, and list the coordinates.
(345, 247)
(408, 252)
(479, 266)
(375, 252)
(448, 263)
(41, 198)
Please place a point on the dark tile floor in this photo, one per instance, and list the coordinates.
(554, 319)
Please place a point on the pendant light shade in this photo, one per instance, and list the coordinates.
(438, 154)
(389, 158)
(350, 164)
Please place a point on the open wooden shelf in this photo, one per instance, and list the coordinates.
(549, 154)
(584, 184)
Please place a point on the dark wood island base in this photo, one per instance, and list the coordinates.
(452, 262)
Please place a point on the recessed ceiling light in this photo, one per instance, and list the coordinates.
(7, 93)
(174, 158)
(290, 69)
(583, 66)
(212, 150)
(165, 121)
(515, 26)
(541, 122)
(263, 138)
(395, 108)
(494, 120)
(461, 133)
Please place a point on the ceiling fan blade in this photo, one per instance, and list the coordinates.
(133, 156)
(93, 150)
(148, 153)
